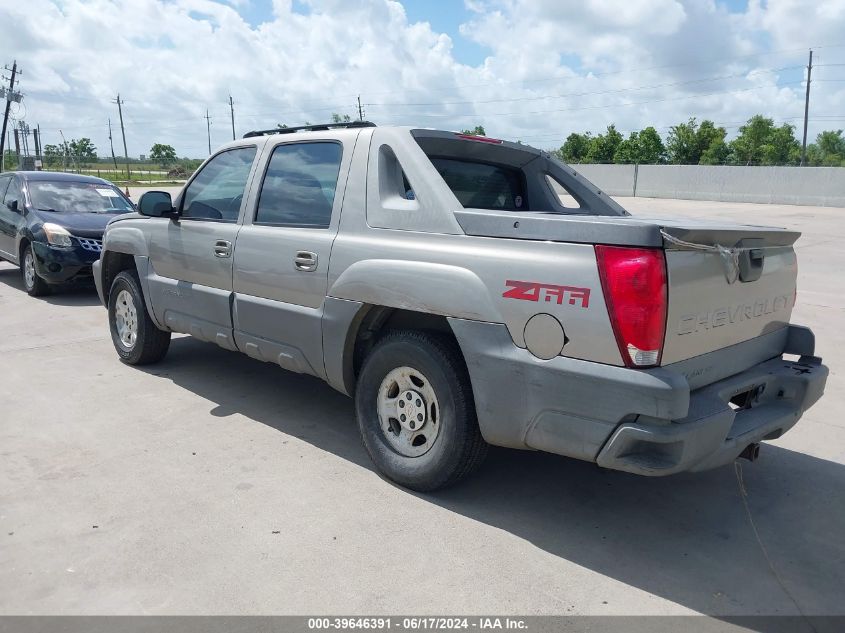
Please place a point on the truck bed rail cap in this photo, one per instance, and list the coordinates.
(558, 227)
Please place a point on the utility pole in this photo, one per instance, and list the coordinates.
(9, 96)
(208, 128)
(24, 134)
(232, 110)
(123, 132)
(36, 136)
(806, 111)
(111, 144)
(360, 109)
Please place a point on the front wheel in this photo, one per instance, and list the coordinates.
(136, 338)
(416, 412)
(32, 283)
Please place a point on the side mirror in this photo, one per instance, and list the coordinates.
(156, 204)
(13, 206)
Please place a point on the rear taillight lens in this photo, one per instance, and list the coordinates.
(634, 284)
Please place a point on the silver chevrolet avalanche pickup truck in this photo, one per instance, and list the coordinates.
(469, 291)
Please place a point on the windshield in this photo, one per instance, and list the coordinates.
(77, 197)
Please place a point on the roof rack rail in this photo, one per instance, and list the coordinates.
(320, 127)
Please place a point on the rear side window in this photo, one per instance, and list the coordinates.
(299, 186)
(482, 185)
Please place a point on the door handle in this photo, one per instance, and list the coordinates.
(305, 261)
(222, 248)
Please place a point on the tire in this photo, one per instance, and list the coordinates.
(32, 283)
(417, 366)
(136, 338)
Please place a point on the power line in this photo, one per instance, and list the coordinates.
(628, 70)
(591, 93)
(597, 107)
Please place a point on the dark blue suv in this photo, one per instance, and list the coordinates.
(51, 225)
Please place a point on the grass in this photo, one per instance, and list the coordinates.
(140, 175)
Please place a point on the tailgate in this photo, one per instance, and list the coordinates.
(718, 299)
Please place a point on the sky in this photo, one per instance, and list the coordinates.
(528, 70)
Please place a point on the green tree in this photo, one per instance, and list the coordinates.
(682, 143)
(603, 147)
(162, 154)
(338, 118)
(830, 142)
(52, 155)
(652, 149)
(644, 147)
(693, 144)
(10, 159)
(711, 144)
(575, 148)
(628, 150)
(828, 150)
(760, 142)
(478, 130)
(82, 149)
(782, 148)
(747, 147)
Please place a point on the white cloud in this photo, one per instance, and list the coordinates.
(632, 62)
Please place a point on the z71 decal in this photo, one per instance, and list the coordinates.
(532, 291)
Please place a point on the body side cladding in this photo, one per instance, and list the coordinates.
(145, 271)
(513, 390)
(341, 321)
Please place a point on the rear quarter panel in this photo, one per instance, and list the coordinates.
(467, 277)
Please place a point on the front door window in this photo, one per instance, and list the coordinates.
(218, 190)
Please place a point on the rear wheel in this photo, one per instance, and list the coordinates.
(32, 283)
(136, 338)
(416, 412)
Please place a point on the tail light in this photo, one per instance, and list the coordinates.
(634, 284)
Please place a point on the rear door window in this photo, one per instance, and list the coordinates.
(299, 186)
(482, 185)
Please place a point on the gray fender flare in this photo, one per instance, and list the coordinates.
(127, 240)
(130, 240)
(441, 289)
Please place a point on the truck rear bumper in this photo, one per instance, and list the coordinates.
(647, 422)
(761, 403)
